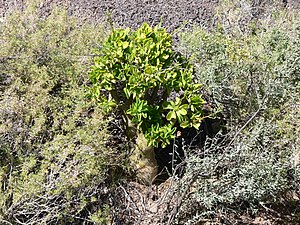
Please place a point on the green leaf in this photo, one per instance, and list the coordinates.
(125, 44)
(171, 115)
(197, 100)
(165, 57)
(127, 92)
(185, 124)
(179, 118)
(192, 108)
(177, 101)
(148, 69)
(170, 105)
(182, 112)
(196, 125)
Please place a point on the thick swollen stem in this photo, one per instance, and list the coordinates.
(143, 158)
(143, 155)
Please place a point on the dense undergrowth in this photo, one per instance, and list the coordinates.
(250, 72)
(57, 168)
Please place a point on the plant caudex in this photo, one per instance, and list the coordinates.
(138, 72)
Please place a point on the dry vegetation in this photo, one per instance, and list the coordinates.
(65, 161)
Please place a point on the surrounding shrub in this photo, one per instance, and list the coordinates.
(55, 167)
(252, 77)
(242, 73)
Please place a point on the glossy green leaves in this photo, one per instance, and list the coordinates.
(139, 70)
(177, 110)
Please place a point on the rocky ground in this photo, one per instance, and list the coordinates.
(172, 14)
(132, 13)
